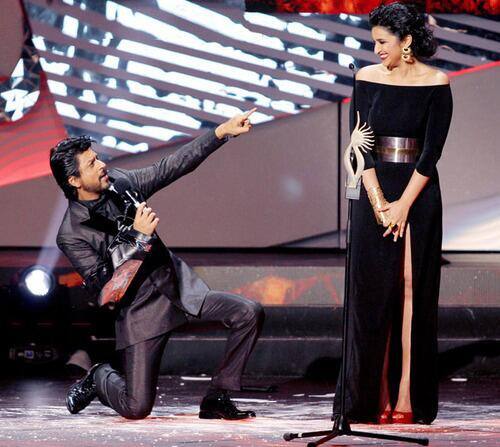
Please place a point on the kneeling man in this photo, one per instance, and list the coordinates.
(109, 237)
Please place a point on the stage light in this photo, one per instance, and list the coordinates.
(37, 281)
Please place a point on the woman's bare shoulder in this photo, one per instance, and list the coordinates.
(441, 77)
(369, 73)
(436, 77)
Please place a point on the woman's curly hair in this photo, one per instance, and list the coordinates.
(404, 19)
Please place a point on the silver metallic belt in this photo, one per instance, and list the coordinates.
(397, 149)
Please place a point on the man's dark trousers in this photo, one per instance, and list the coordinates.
(132, 394)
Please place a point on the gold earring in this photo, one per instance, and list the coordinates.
(407, 54)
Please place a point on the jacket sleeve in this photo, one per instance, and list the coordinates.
(95, 270)
(438, 124)
(183, 161)
(131, 244)
(360, 102)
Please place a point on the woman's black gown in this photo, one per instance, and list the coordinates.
(422, 112)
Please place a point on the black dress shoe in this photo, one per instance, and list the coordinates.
(82, 392)
(219, 406)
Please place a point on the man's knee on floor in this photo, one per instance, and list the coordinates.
(139, 410)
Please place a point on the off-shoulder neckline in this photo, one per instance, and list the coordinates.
(396, 85)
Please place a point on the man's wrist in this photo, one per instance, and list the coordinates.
(136, 232)
(220, 132)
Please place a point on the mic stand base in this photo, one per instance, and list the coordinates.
(341, 427)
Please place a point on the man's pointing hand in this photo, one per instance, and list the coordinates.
(235, 126)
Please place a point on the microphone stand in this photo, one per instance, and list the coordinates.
(341, 426)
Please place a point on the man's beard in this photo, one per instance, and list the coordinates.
(97, 188)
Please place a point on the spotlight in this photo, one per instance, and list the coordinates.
(37, 281)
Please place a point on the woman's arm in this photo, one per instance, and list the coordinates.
(438, 123)
(398, 211)
(376, 196)
(370, 179)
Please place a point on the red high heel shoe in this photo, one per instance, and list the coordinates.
(385, 417)
(401, 417)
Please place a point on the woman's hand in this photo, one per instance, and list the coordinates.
(398, 215)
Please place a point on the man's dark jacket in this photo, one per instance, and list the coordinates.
(165, 288)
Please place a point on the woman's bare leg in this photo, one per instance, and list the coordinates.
(404, 403)
(385, 401)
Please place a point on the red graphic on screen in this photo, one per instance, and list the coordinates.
(25, 143)
(29, 122)
(478, 7)
(70, 280)
(280, 291)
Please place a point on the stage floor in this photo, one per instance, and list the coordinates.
(32, 412)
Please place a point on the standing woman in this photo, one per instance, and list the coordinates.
(397, 227)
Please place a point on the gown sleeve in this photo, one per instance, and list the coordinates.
(436, 130)
(361, 102)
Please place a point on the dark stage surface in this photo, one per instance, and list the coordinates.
(32, 412)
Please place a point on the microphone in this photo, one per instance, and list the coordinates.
(122, 187)
(353, 68)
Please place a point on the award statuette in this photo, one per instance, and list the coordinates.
(362, 139)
